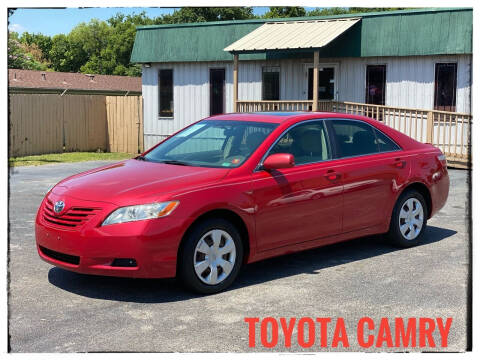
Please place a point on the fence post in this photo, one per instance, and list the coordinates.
(430, 127)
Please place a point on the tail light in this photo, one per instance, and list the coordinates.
(442, 159)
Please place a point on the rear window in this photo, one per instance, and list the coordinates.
(385, 143)
(356, 138)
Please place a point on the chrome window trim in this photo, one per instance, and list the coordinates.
(260, 163)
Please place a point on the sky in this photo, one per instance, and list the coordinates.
(61, 21)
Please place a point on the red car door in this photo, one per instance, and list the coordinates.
(302, 203)
(372, 168)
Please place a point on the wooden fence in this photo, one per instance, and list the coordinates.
(125, 124)
(448, 131)
(50, 123)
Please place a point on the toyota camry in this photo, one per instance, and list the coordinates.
(237, 188)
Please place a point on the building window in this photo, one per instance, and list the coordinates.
(375, 84)
(445, 87)
(165, 93)
(271, 83)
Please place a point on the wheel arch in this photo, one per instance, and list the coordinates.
(422, 189)
(228, 215)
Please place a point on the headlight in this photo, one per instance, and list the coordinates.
(140, 212)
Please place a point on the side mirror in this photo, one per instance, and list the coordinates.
(279, 161)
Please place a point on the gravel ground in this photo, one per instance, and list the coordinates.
(53, 310)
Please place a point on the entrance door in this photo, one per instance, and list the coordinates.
(217, 91)
(326, 83)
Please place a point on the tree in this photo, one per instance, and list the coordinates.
(21, 56)
(121, 42)
(202, 14)
(43, 42)
(285, 11)
(341, 11)
(328, 11)
(66, 55)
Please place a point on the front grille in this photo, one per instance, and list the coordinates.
(74, 217)
(69, 259)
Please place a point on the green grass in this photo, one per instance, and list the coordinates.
(66, 158)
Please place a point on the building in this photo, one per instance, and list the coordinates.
(42, 82)
(418, 59)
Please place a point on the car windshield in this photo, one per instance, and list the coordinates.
(212, 143)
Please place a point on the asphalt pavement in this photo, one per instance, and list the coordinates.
(53, 310)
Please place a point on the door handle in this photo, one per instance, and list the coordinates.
(399, 163)
(332, 175)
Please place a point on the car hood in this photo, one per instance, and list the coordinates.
(135, 182)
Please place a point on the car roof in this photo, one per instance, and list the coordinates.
(281, 117)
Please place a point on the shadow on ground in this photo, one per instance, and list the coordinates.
(169, 290)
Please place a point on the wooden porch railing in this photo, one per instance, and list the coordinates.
(449, 131)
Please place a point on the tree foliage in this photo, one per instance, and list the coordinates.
(104, 47)
(24, 56)
(340, 11)
(285, 11)
(202, 14)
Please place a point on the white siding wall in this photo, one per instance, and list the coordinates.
(410, 83)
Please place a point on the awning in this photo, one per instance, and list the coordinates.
(292, 35)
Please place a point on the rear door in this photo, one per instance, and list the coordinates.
(372, 166)
(302, 203)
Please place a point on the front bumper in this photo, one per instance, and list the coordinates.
(92, 249)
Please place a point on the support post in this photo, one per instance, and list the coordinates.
(430, 127)
(235, 82)
(315, 80)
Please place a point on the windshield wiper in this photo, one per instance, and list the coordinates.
(175, 162)
(141, 158)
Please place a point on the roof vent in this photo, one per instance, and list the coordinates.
(44, 76)
(91, 76)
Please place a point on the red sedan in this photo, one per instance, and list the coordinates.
(238, 188)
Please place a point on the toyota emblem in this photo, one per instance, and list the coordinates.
(58, 207)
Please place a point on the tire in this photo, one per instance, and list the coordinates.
(405, 230)
(212, 247)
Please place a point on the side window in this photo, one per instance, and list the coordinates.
(353, 138)
(271, 83)
(306, 142)
(445, 87)
(165, 93)
(384, 142)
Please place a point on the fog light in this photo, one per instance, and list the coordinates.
(124, 263)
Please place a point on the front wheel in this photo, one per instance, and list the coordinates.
(409, 219)
(211, 256)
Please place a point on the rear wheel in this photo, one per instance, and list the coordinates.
(409, 219)
(211, 256)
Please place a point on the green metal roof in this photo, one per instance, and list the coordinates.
(393, 33)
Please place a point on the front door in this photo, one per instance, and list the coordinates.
(302, 203)
(217, 91)
(326, 83)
